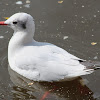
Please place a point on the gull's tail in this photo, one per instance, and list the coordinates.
(89, 67)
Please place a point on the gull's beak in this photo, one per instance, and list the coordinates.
(3, 23)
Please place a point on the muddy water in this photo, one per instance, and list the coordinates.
(71, 24)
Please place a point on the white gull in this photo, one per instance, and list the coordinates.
(39, 61)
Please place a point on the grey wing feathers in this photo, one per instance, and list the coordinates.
(91, 64)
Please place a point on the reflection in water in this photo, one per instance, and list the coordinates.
(72, 90)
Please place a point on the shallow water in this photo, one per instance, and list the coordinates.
(70, 24)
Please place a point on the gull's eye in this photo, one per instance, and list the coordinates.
(14, 22)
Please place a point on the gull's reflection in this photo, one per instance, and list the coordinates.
(25, 89)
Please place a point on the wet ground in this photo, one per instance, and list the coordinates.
(71, 24)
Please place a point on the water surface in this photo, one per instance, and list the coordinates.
(70, 24)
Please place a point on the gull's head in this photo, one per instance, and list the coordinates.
(20, 22)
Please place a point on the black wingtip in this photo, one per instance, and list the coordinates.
(96, 68)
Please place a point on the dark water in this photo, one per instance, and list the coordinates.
(70, 24)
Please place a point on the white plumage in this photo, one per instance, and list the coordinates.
(39, 61)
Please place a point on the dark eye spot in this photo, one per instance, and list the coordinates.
(14, 22)
(24, 25)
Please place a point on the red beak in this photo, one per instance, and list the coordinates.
(3, 23)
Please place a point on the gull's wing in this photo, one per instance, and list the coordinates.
(49, 62)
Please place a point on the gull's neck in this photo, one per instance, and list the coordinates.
(19, 40)
(22, 38)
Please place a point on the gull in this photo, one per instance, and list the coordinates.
(41, 61)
